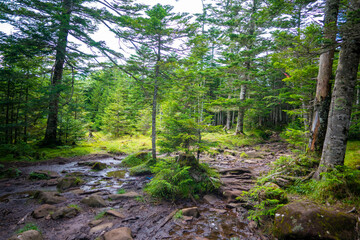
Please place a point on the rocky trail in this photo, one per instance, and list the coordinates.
(89, 207)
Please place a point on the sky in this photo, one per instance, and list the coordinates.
(189, 6)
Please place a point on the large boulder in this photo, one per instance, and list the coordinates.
(123, 233)
(28, 235)
(302, 220)
(69, 182)
(94, 201)
(49, 197)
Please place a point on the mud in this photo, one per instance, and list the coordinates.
(146, 218)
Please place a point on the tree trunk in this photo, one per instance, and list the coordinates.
(322, 98)
(153, 122)
(240, 121)
(343, 94)
(52, 121)
(228, 116)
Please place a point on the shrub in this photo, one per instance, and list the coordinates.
(265, 200)
(173, 181)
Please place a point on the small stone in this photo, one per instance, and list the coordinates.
(69, 182)
(94, 201)
(211, 199)
(98, 166)
(43, 211)
(124, 196)
(192, 212)
(115, 213)
(123, 233)
(49, 197)
(234, 205)
(65, 212)
(95, 222)
(220, 211)
(101, 227)
(77, 191)
(28, 235)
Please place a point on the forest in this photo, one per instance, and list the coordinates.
(251, 107)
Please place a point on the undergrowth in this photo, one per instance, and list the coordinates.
(173, 181)
(27, 227)
(292, 175)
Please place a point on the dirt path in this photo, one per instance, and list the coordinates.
(219, 218)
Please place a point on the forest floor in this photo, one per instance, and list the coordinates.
(219, 217)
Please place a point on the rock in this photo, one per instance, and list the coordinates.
(123, 233)
(301, 220)
(220, 211)
(49, 197)
(78, 191)
(234, 205)
(187, 160)
(65, 212)
(28, 235)
(191, 212)
(211, 199)
(101, 227)
(231, 195)
(95, 222)
(94, 201)
(98, 166)
(43, 211)
(44, 174)
(115, 213)
(124, 195)
(69, 182)
(51, 182)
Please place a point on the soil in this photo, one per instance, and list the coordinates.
(220, 216)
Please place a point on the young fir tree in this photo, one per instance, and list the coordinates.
(153, 37)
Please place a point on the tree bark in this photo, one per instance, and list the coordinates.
(343, 94)
(228, 116)
(322, 98)
(240, 121)
(52, 121)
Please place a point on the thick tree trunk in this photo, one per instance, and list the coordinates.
(343, 94)
(52, 121)
(322, 98)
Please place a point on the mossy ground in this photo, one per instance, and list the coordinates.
(352, 157)
(99, 144)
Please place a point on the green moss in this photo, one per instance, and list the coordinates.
(140, 170)
(27, 227)
(120, 191)
(135, 159)
(244, 155)
(100, 215)
(352, 156)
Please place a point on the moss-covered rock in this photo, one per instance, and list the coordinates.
(187, 160)
(302, 220)
(98, 166)
(135, 159)
(69, 182)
